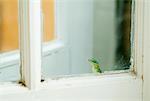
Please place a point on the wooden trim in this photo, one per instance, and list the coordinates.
(146, 50)
(31, 44)
(117, 83)
(138, 38)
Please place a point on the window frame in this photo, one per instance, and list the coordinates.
(12, 57)
(137, 29)
(31, 70)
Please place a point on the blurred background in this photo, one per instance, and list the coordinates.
(90, 28)
(73, 32)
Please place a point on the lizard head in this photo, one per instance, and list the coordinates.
(93, 61)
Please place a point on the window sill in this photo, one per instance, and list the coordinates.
(12, 88)
(115, 87)
(88, 79)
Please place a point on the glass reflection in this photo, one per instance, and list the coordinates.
(9, 41)
(92, 31)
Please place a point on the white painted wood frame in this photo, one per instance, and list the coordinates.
(146, 51)
(116, 87)
(31, 39)
(34, 25)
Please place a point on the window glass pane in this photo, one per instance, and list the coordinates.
(112, 21)
(48, 20)
(8, 25)
(9, 44)
(92, 34)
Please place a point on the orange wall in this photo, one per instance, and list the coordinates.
(48, 14)
(9, 23)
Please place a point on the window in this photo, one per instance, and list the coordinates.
(48, 19)
(90, 29)
(9, 40)
(9, 37)
(9, 25)
(91, 22)
(67, 22)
